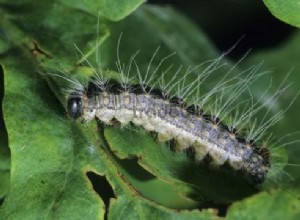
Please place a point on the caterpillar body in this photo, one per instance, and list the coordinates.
(172, 118)
(214, 122)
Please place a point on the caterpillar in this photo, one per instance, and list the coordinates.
(152, 104)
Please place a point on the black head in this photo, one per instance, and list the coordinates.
(74, 107)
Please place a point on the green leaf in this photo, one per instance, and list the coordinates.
(112, 10)
(275, 205)
(137, 209)
(285, 10)
(5, 182)
(176, 168)
(46, 172)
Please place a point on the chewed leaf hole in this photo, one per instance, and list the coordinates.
(1, 201)
(103, 189)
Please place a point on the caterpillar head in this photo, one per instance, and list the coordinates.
(74, 105)
(260, 165)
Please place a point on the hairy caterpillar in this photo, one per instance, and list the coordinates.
(177, 110)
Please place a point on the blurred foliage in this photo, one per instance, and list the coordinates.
(49, 155)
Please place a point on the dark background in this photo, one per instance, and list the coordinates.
(232, 20)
